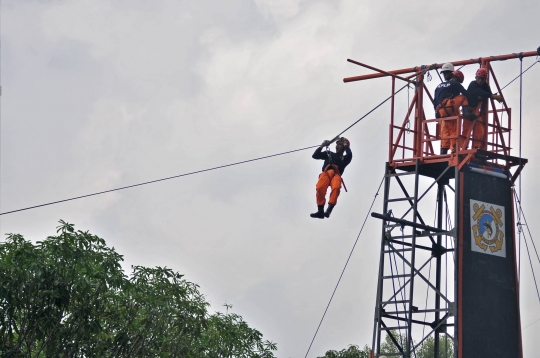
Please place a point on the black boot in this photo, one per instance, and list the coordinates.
(320, 212)
(329, 210)
(468, 114)
(444, 150)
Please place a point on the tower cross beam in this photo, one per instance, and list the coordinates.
(478, 60)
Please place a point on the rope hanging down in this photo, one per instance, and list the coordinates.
(198, 171)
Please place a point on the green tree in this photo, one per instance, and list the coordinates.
(156, 314)
(228, 335)
(67, 296)
(425, 350)
(351, 351)
(53, 295)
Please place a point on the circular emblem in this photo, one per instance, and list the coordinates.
(486, 230)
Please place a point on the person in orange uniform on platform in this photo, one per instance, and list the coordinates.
(449, 97)
(477, 92)
(332, 170)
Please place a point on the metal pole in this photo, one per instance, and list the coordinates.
(391, 141)
(457, 199)
(455, 63)
(440, 190)
(376, 342)
(413, 255)
(519, 211)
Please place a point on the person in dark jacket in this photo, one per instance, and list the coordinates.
(478, 92)
(332, 170)
(449, 97)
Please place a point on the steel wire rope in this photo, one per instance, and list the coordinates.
(526, 224)
(203, 170)
(449, 225)
(403, 292)
(429, 275)
(221, 166)
(371, 111)
(532, 268)
(395, 301)
(520, 131)
(344, 267)
(520, 229)
(530, 324)
(158, 180)
(528, 68)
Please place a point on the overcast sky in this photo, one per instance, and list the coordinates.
(99, 94)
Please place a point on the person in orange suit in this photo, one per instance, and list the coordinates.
(449, 97)
(332, 170)
(478, 92)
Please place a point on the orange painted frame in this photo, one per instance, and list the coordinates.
(495, 142)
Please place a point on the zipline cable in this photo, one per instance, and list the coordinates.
(218, 167)
(200, 171)
(530, 324)
(344, 267)
(368, 113)
(158, 180)
(528, 68)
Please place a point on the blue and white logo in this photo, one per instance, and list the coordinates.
(487, 225)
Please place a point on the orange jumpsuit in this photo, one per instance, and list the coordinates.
(332, 169)
(478, 131)
(328, 178)
(478, 95)
(449, 107)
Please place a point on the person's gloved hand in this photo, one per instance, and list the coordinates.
(497, 97)
(326, 143)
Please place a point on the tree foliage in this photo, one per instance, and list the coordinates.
(425, 350)
(68, 296)
(351, 351)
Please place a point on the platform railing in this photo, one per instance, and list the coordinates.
(497, 126)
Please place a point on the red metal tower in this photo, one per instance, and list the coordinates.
(475, 288)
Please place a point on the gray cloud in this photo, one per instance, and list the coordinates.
(102, 94)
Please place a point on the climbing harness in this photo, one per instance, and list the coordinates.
(334, 167)
(445, 104)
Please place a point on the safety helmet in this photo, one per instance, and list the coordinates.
(482, 72)
(459, 75)
(344, 141)
(447, 67)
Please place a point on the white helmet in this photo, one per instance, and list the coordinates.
(447, 67)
